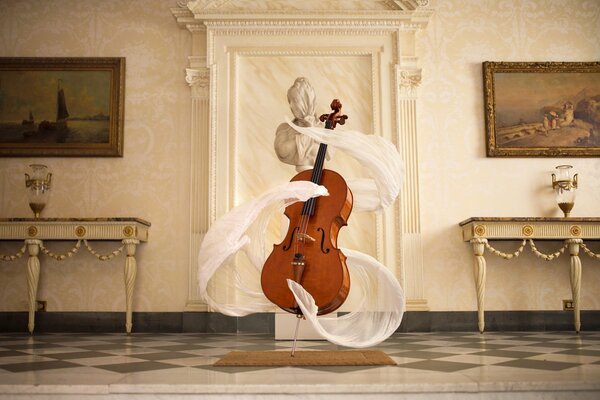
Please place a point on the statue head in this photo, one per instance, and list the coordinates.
(302, 99)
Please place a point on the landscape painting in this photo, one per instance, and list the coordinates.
(549, 109)
(61, 106)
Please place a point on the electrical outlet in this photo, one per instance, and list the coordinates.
(568, 305)
(41, 305)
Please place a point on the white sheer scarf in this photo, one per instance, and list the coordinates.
(242, 232)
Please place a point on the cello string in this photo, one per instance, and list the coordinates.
(309, 205)
(308, 208)
(315, 178)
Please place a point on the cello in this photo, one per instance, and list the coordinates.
(309, 254)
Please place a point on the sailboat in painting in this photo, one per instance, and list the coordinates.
(30, 121)
(61, 113)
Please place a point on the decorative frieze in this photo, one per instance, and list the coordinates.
(67, 228)
(525, 228)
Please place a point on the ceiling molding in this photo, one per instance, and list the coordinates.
(390, 14)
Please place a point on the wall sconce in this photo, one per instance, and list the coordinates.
(564, 183)
(39, 188)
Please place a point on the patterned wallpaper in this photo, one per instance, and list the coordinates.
(151, 181)
(458, 181)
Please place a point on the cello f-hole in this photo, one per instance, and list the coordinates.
(292, 236)
(325, 251)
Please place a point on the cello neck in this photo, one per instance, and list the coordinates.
(319, 162)
(331, 120)
(309, 206)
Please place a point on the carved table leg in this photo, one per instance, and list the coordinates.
(575, 279)
(33, 276)
(130, 272)
(478, 249)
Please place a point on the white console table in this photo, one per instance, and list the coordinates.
(34, 232)
(574, 232)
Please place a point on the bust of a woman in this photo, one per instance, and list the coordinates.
(292, 147)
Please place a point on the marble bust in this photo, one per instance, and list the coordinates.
(292, 147)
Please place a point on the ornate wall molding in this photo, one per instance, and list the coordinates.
(398, 15)
(197, 78)
(233, 6)
(409, 81)
(224, 35)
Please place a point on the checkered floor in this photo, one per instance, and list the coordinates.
(547, 358)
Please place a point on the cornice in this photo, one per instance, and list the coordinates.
(195, 14)
(183, 16)
(331, 6)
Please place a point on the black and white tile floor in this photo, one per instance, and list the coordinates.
(444, 364)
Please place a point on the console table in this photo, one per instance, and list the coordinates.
(573, 231)
(34, 232)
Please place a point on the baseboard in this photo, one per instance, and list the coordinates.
(413, 321)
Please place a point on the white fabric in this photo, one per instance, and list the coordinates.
(374, 320)
(378, 156)
(242, 231)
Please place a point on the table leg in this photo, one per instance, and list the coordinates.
(33, 277)
(130, 273)
(575, 279)
(478, 250)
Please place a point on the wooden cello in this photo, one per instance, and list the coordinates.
(309, 254)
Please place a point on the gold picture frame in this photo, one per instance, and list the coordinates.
(542, 109)
(62, 107)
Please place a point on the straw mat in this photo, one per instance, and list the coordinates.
(310, 358)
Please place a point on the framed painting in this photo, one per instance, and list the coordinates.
(542, 109)
(66, 107)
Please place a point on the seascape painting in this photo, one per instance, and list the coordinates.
(542, 109)
(62, 107)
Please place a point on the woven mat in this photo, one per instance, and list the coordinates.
(313, 358)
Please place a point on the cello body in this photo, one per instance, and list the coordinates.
(325, 275)
(309, 254)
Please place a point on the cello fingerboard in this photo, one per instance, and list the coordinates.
(309, 206)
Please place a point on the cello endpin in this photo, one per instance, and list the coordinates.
(295, 335)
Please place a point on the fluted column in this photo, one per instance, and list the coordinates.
(198, 77)
(411, 254)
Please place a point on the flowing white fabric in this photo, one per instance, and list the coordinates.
(377, 155)
(374, 320)
(242, 231)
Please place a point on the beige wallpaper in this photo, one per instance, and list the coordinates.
(151, 181)
(458, 181)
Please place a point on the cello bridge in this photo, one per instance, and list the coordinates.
(303, 237)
